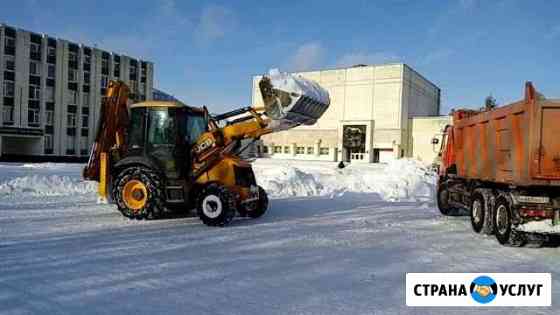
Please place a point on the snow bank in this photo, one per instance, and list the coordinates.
(544, 226)
(400, 180)
(49, 185)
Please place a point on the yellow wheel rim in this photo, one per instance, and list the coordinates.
(135, 194)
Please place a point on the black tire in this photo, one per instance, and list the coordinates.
(443, 199)
(216, 205)
(154, 206)
(503, 227)
(478, 212)
(262, 205)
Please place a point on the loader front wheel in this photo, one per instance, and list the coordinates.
(138, 193)
(216, 205)
(262, 205)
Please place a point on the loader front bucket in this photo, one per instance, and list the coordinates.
(292, 100)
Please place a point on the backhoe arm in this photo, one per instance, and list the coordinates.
(109, 136)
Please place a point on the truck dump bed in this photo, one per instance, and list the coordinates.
(517, 144)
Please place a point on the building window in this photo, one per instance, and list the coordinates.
(9, 43)
(86, 100)
(49, 94)
(51, 71)
(8, 114)
(84, 145)
(9, 89)
(49, 117)
(310, 150)
(286, 149)
(9, 62)
(72, 75)
(104, 81)
(105, 65)
(51, 51)
(73, 57)
(35, 50)
(277, 149)
(34, 92)
(300, 150)
(324, 151)
(72, 97)
(48, 142)
(86, 77)
(264, 149)
(85, 121)
(33, 116)
(87, 59)
(71, 121)
(34, 68)
(70, 145)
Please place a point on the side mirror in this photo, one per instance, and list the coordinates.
(435, 140)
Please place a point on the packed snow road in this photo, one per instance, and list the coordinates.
(333, 242)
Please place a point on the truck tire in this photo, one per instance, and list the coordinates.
(503, 227)
(216, 205)
(478, 212)
(262, 205)
(443, 200)
(481, 211)
(138, 193)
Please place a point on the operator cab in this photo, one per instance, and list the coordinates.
(164, 132)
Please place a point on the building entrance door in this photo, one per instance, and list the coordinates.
(354, 142)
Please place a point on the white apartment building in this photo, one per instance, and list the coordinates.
(52, 91)
(369, 119)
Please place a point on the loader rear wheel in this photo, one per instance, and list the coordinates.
(478, 212)
(443, 200)
(138, 194)
(216, 205)
(262, 205)
(503, 227)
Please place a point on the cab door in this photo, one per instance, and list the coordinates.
(162, 140)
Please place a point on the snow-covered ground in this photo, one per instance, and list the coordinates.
(333, 242)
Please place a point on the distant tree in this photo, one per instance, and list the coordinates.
(490, 102)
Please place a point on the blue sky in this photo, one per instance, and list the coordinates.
(205, 52)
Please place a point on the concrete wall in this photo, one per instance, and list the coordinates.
(424, 129)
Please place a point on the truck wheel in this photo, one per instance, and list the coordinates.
(138, 193)
(478, 212)
(216, 205)
(262, 205)
(443, 200)
(505, 234)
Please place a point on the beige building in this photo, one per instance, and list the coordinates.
(52, 90)
(424, 129)
(368, 119)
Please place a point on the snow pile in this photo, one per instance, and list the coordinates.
(399, 180)
(44, 165)
(298, 84)
(50, 185)
(544, 226)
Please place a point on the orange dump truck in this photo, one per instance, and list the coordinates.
(503, 165)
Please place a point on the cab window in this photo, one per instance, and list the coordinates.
(196, 125)
(162, 129)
